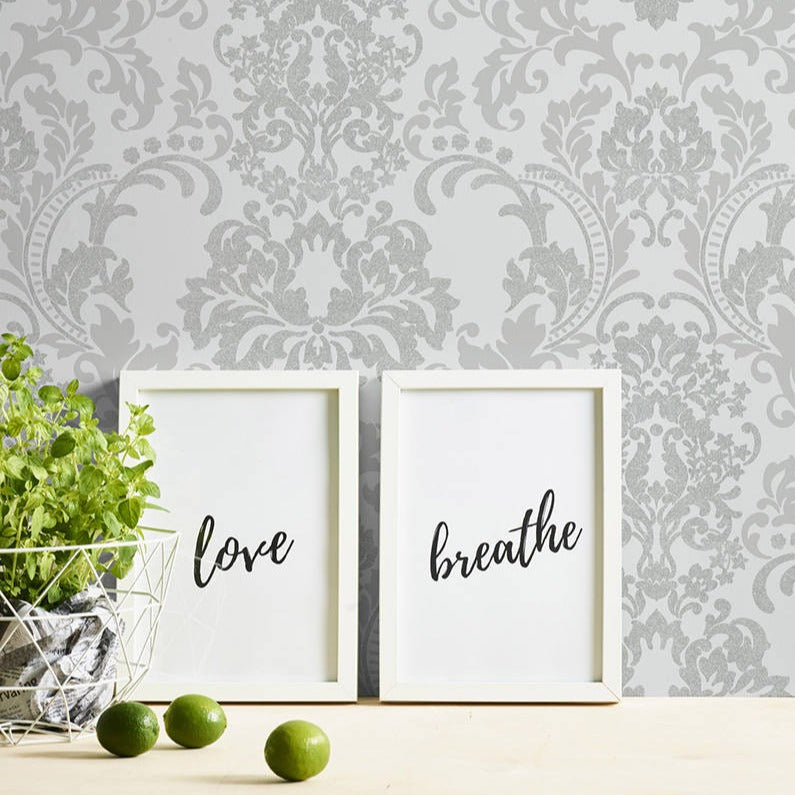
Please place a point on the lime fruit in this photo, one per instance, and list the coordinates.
(297, 750)
(194, 721)
(127, 728)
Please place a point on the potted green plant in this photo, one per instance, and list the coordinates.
(71, 499)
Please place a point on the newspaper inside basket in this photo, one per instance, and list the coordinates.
(58, 667)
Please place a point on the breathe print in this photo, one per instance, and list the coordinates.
(536, 534)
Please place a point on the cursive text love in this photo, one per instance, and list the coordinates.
(232, 550)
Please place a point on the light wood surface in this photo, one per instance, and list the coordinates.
(670, 746)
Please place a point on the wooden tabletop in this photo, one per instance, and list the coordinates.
(670, 746)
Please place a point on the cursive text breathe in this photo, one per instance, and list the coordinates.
(534, 536)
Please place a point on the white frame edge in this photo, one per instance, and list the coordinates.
(346, 384)
(607, 385)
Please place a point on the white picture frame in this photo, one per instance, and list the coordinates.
(276, 451)
(451, 443)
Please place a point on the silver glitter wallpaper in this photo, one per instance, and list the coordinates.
(383, 184)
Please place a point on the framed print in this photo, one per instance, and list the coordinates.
(501, 536)
(259, 472)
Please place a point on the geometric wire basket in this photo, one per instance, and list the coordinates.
(61, 667)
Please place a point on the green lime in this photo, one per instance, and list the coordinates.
(127, 728)
(297, 750)
(194, 721)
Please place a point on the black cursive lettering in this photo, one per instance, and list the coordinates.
(545, 533)
(231, 550)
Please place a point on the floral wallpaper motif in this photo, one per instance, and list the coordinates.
(377, 184)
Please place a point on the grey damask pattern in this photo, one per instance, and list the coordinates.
(464, 183)
(656, 12)
(383, 307)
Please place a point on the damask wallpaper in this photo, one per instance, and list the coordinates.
(379, 184)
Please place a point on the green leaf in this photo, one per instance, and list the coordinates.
(124, 560)
(15, 426)
(36, 522)
(50, 395)
(11, 369)
(130, 511)
(63, 445)
(145, 450)
(39, 472)
(136, 410)
(139, 469)
(68, 475)
(112, 524)
(146, 426)
(25, 401)
(149, 489)
(98, 439)
(116, 489)
(90, 480)
(15, 466)
(45, 564)
(72, 387)
(83, 405)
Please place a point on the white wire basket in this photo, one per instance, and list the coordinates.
(61, 666)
